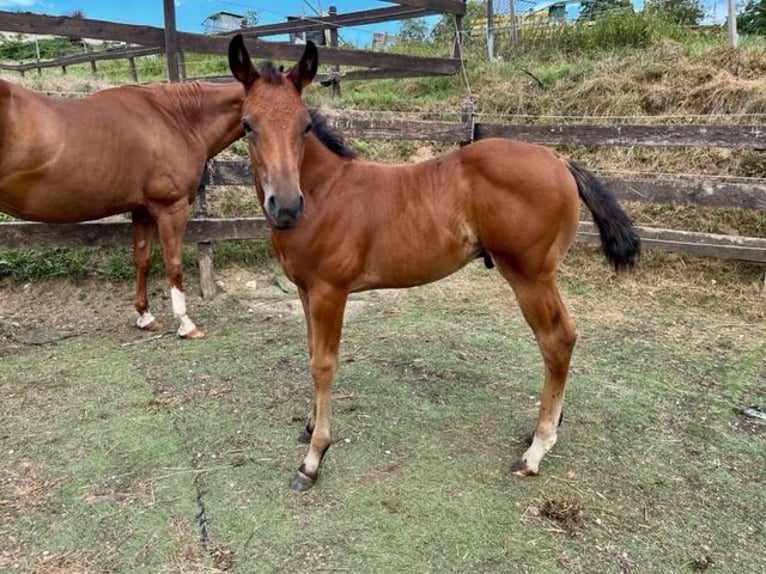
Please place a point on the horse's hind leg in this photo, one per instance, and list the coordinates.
(554, 331)
(171, 225)
(143, 234)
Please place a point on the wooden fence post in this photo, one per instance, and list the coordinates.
(468, 117)
(334, 44)
(204, 249)
(171, 40)
(133, 69)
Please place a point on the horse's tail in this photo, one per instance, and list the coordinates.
(619, 239)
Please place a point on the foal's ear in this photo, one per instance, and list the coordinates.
(304, 71)
(239, 62)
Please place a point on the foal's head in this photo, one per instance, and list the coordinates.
(276, 123)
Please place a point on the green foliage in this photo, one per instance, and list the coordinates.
(24, 264)
(250, 17)
(18, 49)
(596, 9)
(681, 12)
(413, 31)
(752, 20)
(609, 32)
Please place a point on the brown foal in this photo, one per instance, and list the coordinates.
(341, 224)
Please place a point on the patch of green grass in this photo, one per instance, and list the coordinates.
(436, 386)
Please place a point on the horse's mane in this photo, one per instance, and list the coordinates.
(270, 74)
(330, 138)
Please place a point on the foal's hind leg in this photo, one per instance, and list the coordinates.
(143, 234)
(554, 330)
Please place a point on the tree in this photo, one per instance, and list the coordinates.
(250, 18)
(413, 31)
(594, 9)
(681, 12)
(752, 20)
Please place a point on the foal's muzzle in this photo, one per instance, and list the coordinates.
(284, 214)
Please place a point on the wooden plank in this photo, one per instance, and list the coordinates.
(84, 58)
(699, 244)
(729, 136)
(703, 193)
(451, 6)
(24, 234)
(397, 129)
(732, 136)
(28, 23)
(323, 22)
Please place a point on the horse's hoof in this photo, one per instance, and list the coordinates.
(520, 468)
(155, 325)
(194, 334)
(301, 482)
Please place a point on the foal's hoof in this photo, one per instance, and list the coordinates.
(302, 482)
(521, 468)
(193, 334)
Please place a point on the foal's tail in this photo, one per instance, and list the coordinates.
(619, 240)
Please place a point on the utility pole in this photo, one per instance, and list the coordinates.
(732, 20)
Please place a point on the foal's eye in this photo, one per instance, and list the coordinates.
(308, 127)
(247, 126)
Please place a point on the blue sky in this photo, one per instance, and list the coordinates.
(191, 13)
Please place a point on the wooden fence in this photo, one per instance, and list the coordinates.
(204, 231)
(148, 40)
(698, 192)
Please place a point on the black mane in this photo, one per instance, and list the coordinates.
(269, 73)
(331, 139)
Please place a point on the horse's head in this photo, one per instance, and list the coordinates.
(276, 123)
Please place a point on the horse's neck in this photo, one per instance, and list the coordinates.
(215, 116)
(318, 167)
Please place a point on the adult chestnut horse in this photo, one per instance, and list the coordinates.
(127, 149)
(341, 224)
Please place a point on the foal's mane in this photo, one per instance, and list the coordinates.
(330, 138)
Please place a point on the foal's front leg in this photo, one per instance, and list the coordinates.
(324, 322)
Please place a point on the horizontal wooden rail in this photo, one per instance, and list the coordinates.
(728, 136)
(325, 22)
(686, 192)
(28, 23)
(692, 243)
(83, 58)
(26, 235)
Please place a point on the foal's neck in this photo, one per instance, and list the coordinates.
(319, 165)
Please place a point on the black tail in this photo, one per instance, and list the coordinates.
(619, 240)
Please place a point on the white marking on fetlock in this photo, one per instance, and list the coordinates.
(144, 320)
(178, 300)
(537, 451)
